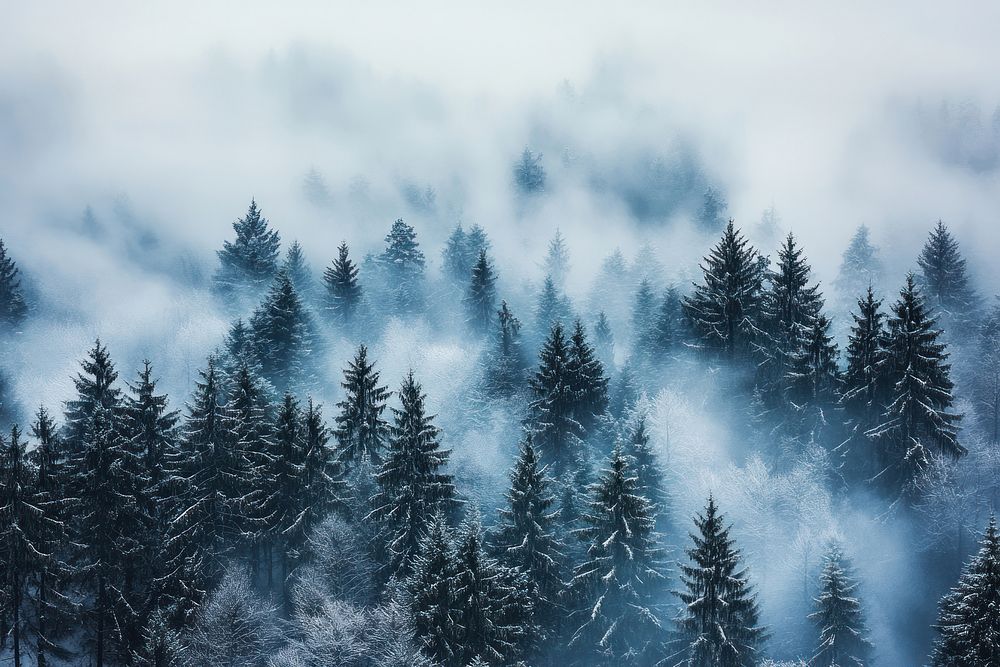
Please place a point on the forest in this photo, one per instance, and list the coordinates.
(248, 523)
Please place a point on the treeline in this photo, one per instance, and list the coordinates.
(248, 530)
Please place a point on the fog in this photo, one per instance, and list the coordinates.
(133, 135)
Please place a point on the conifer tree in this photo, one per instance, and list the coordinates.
(865, 382)
(968, 623)
(283, 500)
(551, 420)
(494, 608)
(588, 385)
(620, 581)
(719, 623)
(249, 262)
(643, 321)
(240, 349)
(455, 256)
(403, 263)
(986, 381)
(813, 376)
(506, 363)
(668, 332)
(361, 432)
(526, 535)
(711, 215)
(323, 485)
(860, 266)
(649, 474)
(299, 271)
(150, 427)
(283, 334)
(412, 484)
(944, 279)
(552, 306)
(625, 393)
(723, 309)
(843, 638)
(556, 262)
(475, 242)
(529, 174)
(480, 298)
(343, 291)
(95, 389)
(431, 588)
(604, 340)
(13, 307)
(917, 421)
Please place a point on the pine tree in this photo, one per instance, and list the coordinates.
(723, 310)
(865, 382)
(283, 333)
(343, 291)
(455, 256)
(506, 364)
(552, 306)
(813, 376)
(556, 262)
(718, 626)
(323, 484)
(643, 322)
(667, 333)
(842, 633)
(649, 474)
(95, 389)
(361, 432)
(551, 418)
(588, 385)
(283, 500)
(299, 271)
(150, 427)
(480, 298)
(604, 340)
(494, 608)
(944, 278)
(986, 381)
(412, 485)
(526, 535)
(431, 589)
(968, 623)
(249, 262)
(529, 174)
(712, 214)
(625, 393)
(403, 263)
(620, 581)
(110, 525)
(860, 266)
(918, 418)
(239, 350)
(13, 307)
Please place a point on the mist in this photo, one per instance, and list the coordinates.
(133, 136)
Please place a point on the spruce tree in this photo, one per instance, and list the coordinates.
(620, 581)
(403, 263)
(667, 333)
(719, 623)
(95, 389)
(917, 421)
(506, 363)
(551, 418)
(150, 427)
(604, 340)
(343, 291)
(529, 174)
(13, 307)
(455, 256)
(649, 474)
(860, 267)
(299, 271)
(625, 393)
(412, 484)
(556, 262)
(723, 309)
(239, 350)
(431, 588)
(361, 432)
(552, 306)
(494, 606)
(526, 535)
(480, 298)
(323, 484)
(986, 381)
(588, 384)
(968, 623)
(283, 334)
(249, 262)
(813, 376)
(838, 617)
(643, 322)
(865, 389)
(944, 278)
(711, 215)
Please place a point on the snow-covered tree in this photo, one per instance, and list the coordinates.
(944, 279)
(588, 384)
(649, 475)
(843, 640)
(712, 214)
(403, 263)
(299, 271)
(284, 335)
(480, 297)
(343, 291)
(13, 307)
(249, 262)
(723, 309)
(552, 306)
(985, 383)
(556, 262)
(361, 432)
(412, 484)
(604, 341)
(431, 591)
(643, 322)
(620, 582)
(551, 419)
(529, 174)
(95, 389)
(860, 267)
(968, 623)
(505, 363)
(719, 624)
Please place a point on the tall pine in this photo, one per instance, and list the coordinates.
(343, 290)
(944, 277)
(361, 431)
(480, 297)
(249, 262)
(843, 640)
(13, 306)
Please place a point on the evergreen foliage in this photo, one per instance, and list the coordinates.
(343, 290)
(248, 263)
(843, 638)
(13, 307)
(480, 297)
(361, 432)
